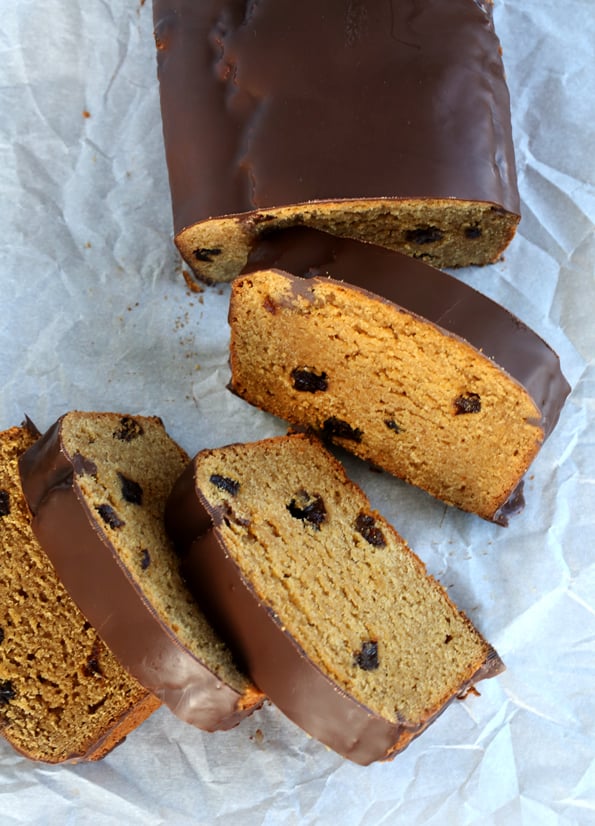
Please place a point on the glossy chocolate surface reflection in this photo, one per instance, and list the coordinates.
(109, 599)
(275, 102)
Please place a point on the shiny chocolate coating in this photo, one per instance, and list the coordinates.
(272, 658)
(427, 292)
(267, 103)
(86, 564)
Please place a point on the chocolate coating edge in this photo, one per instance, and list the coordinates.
(108, 597)
(273, 659)
(429, 293)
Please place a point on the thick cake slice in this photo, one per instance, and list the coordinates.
(333, 616)
(385, 122)
(63, 695)
(97, 484)
(419, 373)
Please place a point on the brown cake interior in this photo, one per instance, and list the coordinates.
(338, 578)
(443, 232)
(133, 468)
(63, 694)
(387, 385)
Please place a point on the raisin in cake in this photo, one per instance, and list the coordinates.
(385, 122)
(419, 374)
(97, 484)
(331, 613)
(63, 695)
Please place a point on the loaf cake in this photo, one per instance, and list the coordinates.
(384, 122)
(96, 484)
(330, 612)
(63, 695)
(418, 374)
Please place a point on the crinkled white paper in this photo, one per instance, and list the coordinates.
(96, 315)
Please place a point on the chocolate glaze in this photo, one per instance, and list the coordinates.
(427, 292)
(108, 597)
(273, 659)
(271, 102)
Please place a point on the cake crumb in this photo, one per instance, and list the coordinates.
(192, 285)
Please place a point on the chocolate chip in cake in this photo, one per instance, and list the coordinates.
(109, 516)
(367, 657)
(309, 508)
(447, 639)
(366, 525)
(4, 503)
(145, 559)
(206, 254)
(94, 707)
(83, 466)
(308, 381)
(1, 635)
(131, 491)
(467, 403)
(270, 306)
(92, 667)
(334, 428)
(7, 692)
(225, 483)
(424, 235)
(128, 430)
(392, 425)
(473, 231)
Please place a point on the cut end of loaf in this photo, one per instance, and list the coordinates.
(444, 233)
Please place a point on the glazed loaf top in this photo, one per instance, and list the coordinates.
(275, 102)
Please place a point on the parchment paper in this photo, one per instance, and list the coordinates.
(96, 315)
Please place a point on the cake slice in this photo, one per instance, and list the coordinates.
(97, 484)
(418, 373)
(330, 612)
(384, 122)
(63, 695)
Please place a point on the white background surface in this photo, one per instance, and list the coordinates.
(95, 315)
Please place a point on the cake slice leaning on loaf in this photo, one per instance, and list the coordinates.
(97, 484)
(398, 362)
(330, 612)
(63, 695)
